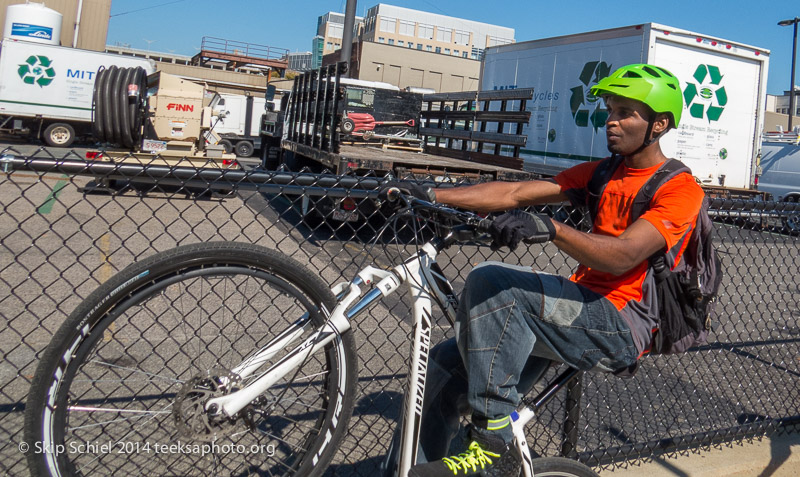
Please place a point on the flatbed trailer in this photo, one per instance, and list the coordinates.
(437, 137)
(380, 160)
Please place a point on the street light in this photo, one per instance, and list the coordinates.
(794, 22)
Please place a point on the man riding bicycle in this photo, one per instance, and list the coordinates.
(513, 321)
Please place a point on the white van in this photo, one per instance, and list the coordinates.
(780, 175)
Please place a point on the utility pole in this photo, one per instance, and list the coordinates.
(347, 35)
(794, 57)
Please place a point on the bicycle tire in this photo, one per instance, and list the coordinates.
(560, 467)
(113, 372)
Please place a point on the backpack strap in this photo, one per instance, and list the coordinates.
(602, 175)
(668, 170)
(597, 184)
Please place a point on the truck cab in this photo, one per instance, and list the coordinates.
(238, 124)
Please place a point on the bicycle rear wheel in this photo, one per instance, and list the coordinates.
(120, 389)
(560, 467)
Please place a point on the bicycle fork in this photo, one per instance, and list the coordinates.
(386, 282)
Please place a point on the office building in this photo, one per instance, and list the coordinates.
(417, 30)
(330, 31)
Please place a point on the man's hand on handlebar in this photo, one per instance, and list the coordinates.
(515, 226)
(411, 189)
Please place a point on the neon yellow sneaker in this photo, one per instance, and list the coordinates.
(484, 456)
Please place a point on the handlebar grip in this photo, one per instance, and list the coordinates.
(390, 194)
(484, 225)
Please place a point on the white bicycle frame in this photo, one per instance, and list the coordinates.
(426, 284)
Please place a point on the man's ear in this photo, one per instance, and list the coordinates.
(661, 124)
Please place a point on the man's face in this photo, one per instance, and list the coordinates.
(626, 125)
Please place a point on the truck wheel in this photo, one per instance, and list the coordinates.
(59, 135)
(348, 125)
(244, 149)
(227, 145)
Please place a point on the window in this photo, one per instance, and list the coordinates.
(428, 48)
(462, 37)
(406, 28)
(401, 43)
(391, 41)
(381, 39)
(419, 46)
(464, 55)
(456, 53)
(328, 46)
(360, 98)
(438, 49)
(410, 45)
(388, 25)
(335, 30)
(425, 31)
(447, 51)
(445, 35)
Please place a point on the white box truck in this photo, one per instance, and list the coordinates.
(240, 126)
(46, 90)
(723, 84)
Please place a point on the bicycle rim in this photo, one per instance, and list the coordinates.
(124, 390)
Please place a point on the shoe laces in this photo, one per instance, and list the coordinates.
(474, 456)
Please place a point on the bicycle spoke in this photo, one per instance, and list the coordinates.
(176, 340)
(110, 365)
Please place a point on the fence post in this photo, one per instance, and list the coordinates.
(572, 415)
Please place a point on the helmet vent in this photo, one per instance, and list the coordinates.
(652, 71)
(631, 74)
(664, 72)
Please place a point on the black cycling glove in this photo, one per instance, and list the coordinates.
(515, 226)
(413, 189)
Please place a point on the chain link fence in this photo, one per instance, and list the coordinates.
(65, 228)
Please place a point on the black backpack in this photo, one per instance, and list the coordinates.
(686, 294)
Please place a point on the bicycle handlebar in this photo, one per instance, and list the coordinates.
(463, 226)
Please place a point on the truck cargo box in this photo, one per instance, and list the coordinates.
(42, 84)
(723, 85)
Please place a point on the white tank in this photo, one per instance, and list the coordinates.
(33, 22)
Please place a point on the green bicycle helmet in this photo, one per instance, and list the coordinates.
(652, 85)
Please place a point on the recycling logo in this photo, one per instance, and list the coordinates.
(587, 109)
(37, 69)
(707, 98)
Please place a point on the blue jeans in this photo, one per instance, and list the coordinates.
(512, 322)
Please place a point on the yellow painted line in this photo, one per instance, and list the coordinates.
(106, 271)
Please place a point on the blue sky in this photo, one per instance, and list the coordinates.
(178, 26)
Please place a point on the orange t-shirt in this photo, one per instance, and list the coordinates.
(673, 211)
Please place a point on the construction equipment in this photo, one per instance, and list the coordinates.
(171, 125)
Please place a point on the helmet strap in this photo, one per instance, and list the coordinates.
(647, 139)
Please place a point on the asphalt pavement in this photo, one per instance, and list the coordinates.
(771, 456)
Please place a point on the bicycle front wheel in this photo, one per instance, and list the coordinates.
(122, 386)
